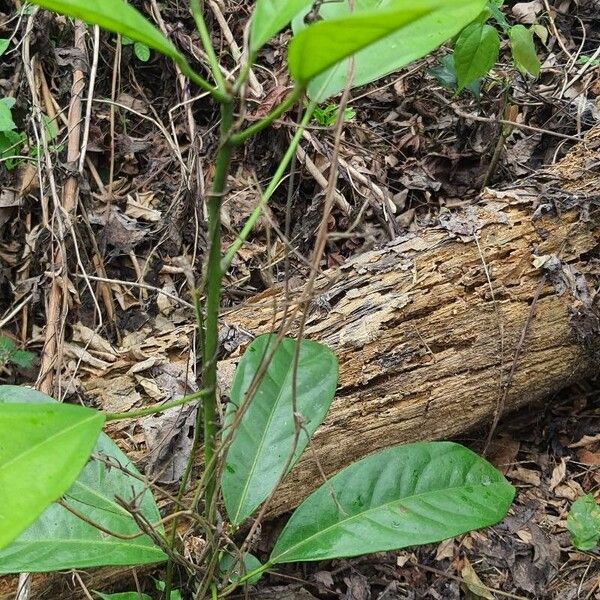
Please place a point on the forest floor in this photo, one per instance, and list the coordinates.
(410, 150)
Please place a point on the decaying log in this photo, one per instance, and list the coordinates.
(441, 331)
(427, 329)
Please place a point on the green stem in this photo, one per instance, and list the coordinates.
(291, 99)
(243, 75)
(208, 333)
(187, 70)
(266, 196)
(213, 62)
(231, 588)
(213, 300)
(156, 408)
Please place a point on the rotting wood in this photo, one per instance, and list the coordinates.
(424, 346)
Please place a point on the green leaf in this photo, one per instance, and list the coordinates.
(261, 444)
(22, 359)
(397, 49)
(232, 565)
(402, 496)
(326, 43)
(116, 16)
(11, 143)
(42, 450)
(523, 50)
(270, 17)
(59, 540)
(123, 596)
(583, 522)
(6, 121)
(498, 16)
(475, 53)
(141, 51)
(4, 45)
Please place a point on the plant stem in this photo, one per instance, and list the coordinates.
(213, 301)
(231, 588)
(213, 62)
(274, 183)
(292, 97)
(187, 70)
(208, 333)
(156, 408)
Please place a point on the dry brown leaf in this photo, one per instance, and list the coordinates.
(525, 475)
(527, 12)
(472, 581)
(558, 474)
(587, 457)
(445, 550)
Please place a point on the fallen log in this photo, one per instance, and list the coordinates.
(440, 332)
(443, 330)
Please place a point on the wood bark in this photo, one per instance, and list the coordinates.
(443, 330)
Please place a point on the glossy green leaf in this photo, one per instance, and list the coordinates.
(270, 17)
(402, 496)
(4, 45)
(231, 564)
(116, 16)
(396, 47)
(523, 50)
(59, 540)
(266, 435)
(43, 447)
(583, 522)
(475, 53)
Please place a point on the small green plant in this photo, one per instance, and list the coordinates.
(584, 60)
(583, 522)
(63, 510)
(11, 140)
(139, 49)
(477, 47)
(325, 116)
(10, 354)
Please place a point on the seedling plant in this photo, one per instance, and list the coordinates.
(71, 499)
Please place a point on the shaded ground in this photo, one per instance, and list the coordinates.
(411, 151)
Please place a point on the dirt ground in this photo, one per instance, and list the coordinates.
(410, 151)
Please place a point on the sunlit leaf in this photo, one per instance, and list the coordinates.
(583, 522)
(116, 16)
(59, 540)
(43, 447)
(270, 17)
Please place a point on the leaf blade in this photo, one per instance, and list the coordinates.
(523, 50)
(58, 540)
(42, 450)
(116, 16)
(270, 17)
(265, 437)
(326, 43)
(476, 52)
(399, 497)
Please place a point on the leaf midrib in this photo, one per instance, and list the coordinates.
(370, 510)
(260, 446)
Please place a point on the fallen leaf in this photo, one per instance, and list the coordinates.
(473, 583)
